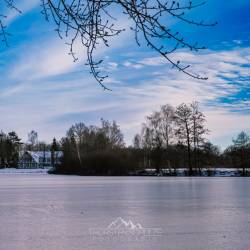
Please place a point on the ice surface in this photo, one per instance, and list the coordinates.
(57, 212)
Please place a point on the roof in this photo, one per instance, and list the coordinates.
(41, 154)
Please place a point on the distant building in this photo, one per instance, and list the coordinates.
(39, 159)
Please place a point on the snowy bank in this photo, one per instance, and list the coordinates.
(24, 171)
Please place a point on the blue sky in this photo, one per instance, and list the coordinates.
(43, 89)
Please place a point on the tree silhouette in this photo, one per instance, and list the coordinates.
(91, 22)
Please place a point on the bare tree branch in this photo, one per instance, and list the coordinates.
(3, 33)
(92, 22)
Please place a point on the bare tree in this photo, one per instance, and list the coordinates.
(76, 134)
(32, 140)
(167, 123)
(92, 23)
(183, 118)
(137, 141)
(190, 129)
(113, 133)
(161, 125)
(157, 134)
(147, 144)
(198, 129)
(241, 151)
(154, 124)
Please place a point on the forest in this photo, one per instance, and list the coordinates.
(171, 138)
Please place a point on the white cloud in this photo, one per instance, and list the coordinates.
(50, 57)
(237, 42)
(52, 106)
(132, 65)
(169, 86)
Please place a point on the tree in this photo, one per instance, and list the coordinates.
(85, 147)
(167, 123)
(198, 129)
(9, 149)
(209, 155)
(92, 23)
(14, 143)
(153, 136)
(169, 132)
(147, 144)
(32, 140)
(157, 135)
(76, 137)
(137, 141)
(2, 148)
(54, 148)
(154, 124)
(240, 151)
(190, 122)
(113, 133)
(242, 140)
(183, 118)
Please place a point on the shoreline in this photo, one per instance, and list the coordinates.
(220, 172)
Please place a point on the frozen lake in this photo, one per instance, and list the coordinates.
(73, 213)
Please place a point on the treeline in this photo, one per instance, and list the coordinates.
(173, 138)
(170, 138)
(9, 149)
(92, 150)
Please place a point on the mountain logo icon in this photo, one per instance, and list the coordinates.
(120, 223)
(124, 228)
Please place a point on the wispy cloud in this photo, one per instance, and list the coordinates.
(51, 57)
(43, 89)
(51, 105)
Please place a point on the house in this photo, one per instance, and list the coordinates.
(39, 159)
